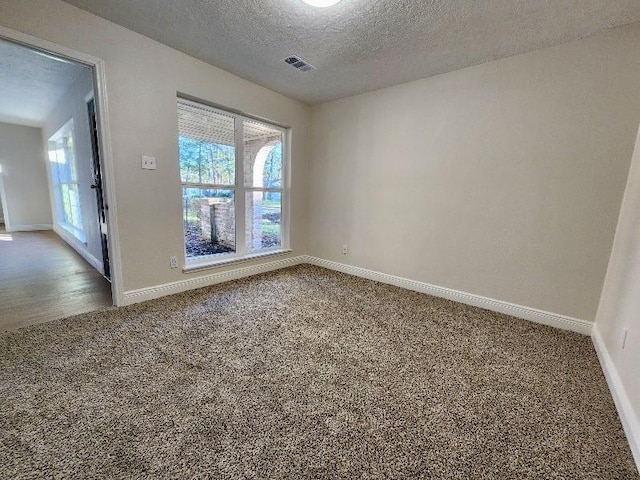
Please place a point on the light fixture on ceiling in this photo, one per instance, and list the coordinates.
(321, 3)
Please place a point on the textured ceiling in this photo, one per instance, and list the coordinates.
(359, 45)
(31, 84)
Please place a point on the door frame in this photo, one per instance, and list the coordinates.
(104, 141)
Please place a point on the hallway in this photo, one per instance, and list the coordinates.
(43, 279)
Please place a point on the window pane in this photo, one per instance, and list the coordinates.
(64, 177)
(206, 142)
(263, 218)
(69, 155)
(71, 204)
(262, 155)
(209, 221)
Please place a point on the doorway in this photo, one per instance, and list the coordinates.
(77, 173)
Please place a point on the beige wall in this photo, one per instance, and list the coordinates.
(24, 178)
(619, 307)
(502, 180)
(143, 78)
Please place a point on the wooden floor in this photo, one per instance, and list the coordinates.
(42, 279)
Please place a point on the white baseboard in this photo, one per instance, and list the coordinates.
(142, 294)
(29, 228)
(628, 417)
(80, 248)
(538, 316)
(532, 314)
(95, 263)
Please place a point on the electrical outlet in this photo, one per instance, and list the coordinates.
(148, 163)
(345, 249)
(173, 262)
(623, 338)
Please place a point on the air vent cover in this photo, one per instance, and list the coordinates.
(297, 62)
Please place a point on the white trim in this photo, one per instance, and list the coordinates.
(79, 247)
(28, 228)
(527, 313)
(108, 181)
(3, 200)
(213, 262)
(102, 117)
(94, 262)
(628, 417)
(239, 195)
(142, 294)
(47, 47)
(285, 195)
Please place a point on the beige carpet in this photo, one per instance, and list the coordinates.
(305, 373)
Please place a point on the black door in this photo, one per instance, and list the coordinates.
(97, 186)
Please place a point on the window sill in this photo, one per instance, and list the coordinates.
(198, 266)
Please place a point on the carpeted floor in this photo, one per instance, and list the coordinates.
(305, 373)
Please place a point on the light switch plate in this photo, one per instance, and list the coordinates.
(148, 163)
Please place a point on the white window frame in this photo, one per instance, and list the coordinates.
(68, 129)
(242, 252)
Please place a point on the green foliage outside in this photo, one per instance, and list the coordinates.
(212, 163)
(204, 162)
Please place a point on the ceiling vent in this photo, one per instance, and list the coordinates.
(297, 62)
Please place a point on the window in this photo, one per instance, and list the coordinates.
(64, 177)
(232, 175)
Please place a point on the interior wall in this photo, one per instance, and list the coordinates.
(74, 106)
(143, 79)
(619, 308)
(25, 193)
(502, 180)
